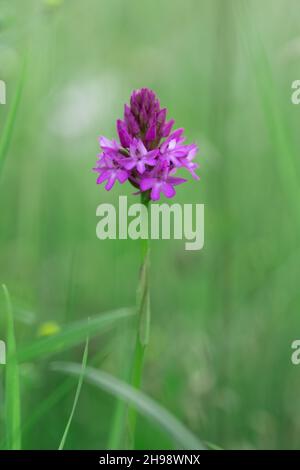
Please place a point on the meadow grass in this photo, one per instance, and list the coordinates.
(77, 394)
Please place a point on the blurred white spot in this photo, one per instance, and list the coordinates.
(53, 3)
(291, 50)
(8, 60)
(81, 104)
(2, 92)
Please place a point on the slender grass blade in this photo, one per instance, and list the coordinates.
(7, 132)
(12, 386)
(144, 404)
(78, 390)
(72, 335)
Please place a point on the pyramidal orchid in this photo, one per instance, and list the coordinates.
(148, 153)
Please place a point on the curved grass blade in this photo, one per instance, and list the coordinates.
(12, 386)
(72, 335)
(144, 404)
(6, 134)
(212, 446)
(81, 376)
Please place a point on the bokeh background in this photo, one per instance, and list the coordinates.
(224, 318)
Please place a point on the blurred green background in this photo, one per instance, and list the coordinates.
(223, 318)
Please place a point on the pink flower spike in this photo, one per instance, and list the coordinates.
(148, 153)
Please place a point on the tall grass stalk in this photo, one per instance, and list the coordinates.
(78, 390)
(12, 384)
(143, 322)
(145, 405)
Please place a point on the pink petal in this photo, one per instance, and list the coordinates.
(161, 117)
(141, 148)
(122, 176)
(193, 149)
(172, 144)
(147, 183)
(103, 177)
(176, 134)
(106, 143)
(128, 163)
(155, 193)
(194, 175)
(168, 190)
(111, 181)
(151, 133)
(167, 128)
(123, 133)
(140, 167)
(174, 160)
(152, 153)
(150, 161)
(174, 180)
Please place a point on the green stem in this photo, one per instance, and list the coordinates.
(143, 319)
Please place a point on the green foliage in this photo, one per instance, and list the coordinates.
(144, 404)
(222, 319)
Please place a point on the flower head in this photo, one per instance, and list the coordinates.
(148, 154)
